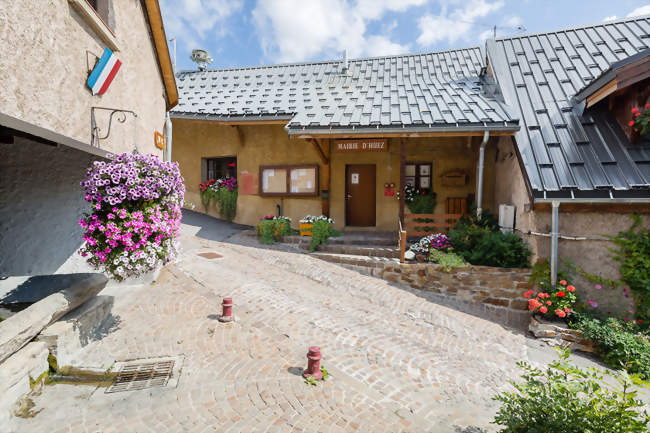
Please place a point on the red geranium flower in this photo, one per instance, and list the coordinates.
(571, 288)
(560, 313)
(543, 310)
(563, 282)
(561, 294)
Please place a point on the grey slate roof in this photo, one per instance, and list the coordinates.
(567, 153)
(420, 92)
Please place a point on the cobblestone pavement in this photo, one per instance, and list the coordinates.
(398, 363)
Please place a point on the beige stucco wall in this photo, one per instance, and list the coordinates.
(591, 255)
(270, 144)
(43, 71)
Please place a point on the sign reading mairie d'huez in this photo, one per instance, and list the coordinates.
(104, 72)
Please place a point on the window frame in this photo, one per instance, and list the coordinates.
(205, 162)
(417, 176)
(289, 168)
(93, 18)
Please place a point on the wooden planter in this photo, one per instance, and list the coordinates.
(305, 229)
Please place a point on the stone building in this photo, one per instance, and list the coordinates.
(343, 138)
(52, 125)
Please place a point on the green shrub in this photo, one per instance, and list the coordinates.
(565, 399)
(320, 232)
(447, 261)
(620, 344)
(480, 242)
(633, 253)
(267, 229)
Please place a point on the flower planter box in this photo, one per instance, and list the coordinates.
(305, 229)
(556, 333)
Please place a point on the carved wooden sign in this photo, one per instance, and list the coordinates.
(363, 145)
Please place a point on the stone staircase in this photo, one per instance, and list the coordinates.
(359, 251)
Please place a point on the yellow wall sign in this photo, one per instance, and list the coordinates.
(159, 140)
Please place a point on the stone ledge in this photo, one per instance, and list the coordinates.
(559, 334)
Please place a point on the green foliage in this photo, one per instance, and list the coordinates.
(311, 381)
(422, 204)
(227, 202)
(480, 242)
(633, 253)
(564, 398)
(541, 275)
(447, 261)
(267, 230)
(326, 373)
(272, 229)
(320, 232)
(620, 344)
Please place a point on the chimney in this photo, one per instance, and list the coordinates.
(345, 61)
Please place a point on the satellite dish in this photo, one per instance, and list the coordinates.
(201, 58)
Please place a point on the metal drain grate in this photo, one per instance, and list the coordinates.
(134, 376)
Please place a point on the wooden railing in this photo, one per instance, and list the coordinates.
(423, 225)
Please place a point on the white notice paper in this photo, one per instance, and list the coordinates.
(309, 184)
(294, 189)
(355, 178)
(302, 172)
(294, 175)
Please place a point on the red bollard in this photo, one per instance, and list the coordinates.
(313, 363)
(226, 316)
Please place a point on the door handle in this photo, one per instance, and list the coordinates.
(348, 196)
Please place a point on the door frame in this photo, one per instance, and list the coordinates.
(347, 191)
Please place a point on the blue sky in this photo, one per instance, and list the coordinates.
(256, 32)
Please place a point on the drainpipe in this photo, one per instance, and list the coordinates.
(554, 240)
(479, 181)
(168, 138)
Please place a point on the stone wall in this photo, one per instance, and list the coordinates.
(492, 293)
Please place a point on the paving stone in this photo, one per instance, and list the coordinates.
(398, 362)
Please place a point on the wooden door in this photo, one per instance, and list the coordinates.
(360, 195)
(457, 205)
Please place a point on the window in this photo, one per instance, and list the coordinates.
(98, 14)
(101, 8)
(289, 180)
(419, 174)
(216, 168)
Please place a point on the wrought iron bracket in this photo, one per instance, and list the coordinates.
(95, 130)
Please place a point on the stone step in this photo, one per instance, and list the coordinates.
(367, 241)
(354, 260)
(357, 250)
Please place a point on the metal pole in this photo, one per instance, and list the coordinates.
(479, 180)
(174, 41)
(554, 241)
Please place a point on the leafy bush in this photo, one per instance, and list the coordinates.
(447, 261)
(620, 344)
(136, 214)
(564, 398)
(273, 228)
(481, 242)
(320, 232)
(633, 252)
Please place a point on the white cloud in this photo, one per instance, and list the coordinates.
(611, 18)
(643, 10)
(193, 22)
(294, 30)
(454, 25)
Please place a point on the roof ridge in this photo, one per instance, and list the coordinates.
(327, 62)
(580, 27)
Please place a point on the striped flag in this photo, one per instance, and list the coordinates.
(105, 70)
